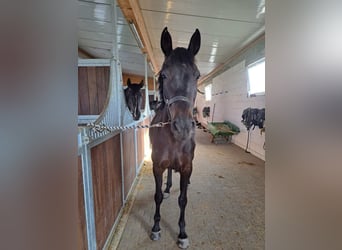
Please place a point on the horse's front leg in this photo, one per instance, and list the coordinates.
(158, 198)
(183, 241)
(168, 183)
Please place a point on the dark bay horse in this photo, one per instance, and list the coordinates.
(173, 146)
(133, 98)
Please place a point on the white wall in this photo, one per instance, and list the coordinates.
(229, 106)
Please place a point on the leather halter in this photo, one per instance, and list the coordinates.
(177, 98)
(173, 100)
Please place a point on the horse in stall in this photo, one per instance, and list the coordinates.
(173, 146)
(133, 98)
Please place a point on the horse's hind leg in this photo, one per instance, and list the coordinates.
(168, 183)
(158, 198)
(183, 241)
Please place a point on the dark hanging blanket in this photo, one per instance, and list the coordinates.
(253, 117)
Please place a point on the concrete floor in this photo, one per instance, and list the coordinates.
(225, 208)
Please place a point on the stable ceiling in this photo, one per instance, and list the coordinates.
(226, 27)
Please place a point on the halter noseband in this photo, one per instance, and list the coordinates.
(177, 98)
(173, 100)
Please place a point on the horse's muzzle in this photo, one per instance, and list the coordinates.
(136, 114)
(136, 117)
(182, 128)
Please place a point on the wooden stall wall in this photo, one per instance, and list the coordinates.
(128, 159)
(108, 179)
(93, 85)
(82, 234)
(107, 186)
(107, 176)
(137, 79)
(141, 137)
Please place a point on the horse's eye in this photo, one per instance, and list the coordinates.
(163, 76)
(197, 74)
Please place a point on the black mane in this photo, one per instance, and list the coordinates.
(161, 93)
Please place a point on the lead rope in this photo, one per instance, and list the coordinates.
(101, 127)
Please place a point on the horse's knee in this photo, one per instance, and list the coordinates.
(158, 197)
(182, 200)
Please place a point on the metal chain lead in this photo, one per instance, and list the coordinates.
(101, 127)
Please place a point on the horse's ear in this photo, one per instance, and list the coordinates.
(141, 84)
(166, 42)
(195, 42)
(129, 82)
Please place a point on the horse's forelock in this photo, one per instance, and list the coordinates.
(181, 55)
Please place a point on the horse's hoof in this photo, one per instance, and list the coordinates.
(166, 195)
(183, 243)
(155, 235)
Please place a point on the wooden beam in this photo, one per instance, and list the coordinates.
(219, 69)
(84, 54)
(126, 10)
(132, 12)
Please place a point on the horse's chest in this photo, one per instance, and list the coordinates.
(167, 152)
(176, 156)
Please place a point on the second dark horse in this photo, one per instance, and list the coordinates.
(133, 98)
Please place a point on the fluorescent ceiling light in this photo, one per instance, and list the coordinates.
(261, 8)
(136, 35)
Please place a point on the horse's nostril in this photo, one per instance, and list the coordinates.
(175, 126)
(182, 125)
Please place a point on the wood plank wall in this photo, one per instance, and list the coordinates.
(82, 234)
(93, 85)
(107, 184)
(137, 79)
(129, 159)
(143, 101)
(107, 181)
(141, 133)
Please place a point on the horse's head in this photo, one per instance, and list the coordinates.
(133, 98)
(178, 83)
